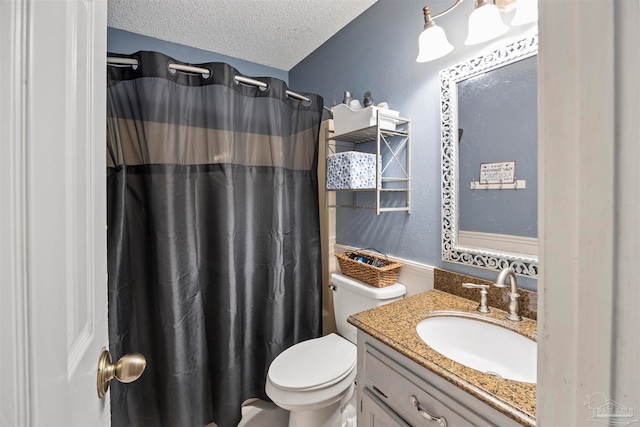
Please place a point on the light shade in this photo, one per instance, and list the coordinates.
(432, 44)
(485, 24)
(526, 12)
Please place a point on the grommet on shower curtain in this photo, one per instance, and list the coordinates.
(171, 71)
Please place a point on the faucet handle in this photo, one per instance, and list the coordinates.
(482, 308)
(475, 285)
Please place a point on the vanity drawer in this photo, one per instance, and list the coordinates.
(395, 386)
(374, 413)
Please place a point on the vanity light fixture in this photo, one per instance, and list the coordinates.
(433, 42)
(526, 12)
(485, 24)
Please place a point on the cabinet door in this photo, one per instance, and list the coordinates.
(402, 387)
(374, 413)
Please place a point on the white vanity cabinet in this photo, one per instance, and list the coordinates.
(395, 391)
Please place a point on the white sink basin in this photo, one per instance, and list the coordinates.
(482, 346)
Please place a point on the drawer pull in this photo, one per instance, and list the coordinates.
(440, 420)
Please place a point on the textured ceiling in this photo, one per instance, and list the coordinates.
(276, 33)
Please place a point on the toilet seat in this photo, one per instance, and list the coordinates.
(313, 364)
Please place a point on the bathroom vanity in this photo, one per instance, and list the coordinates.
(403, 382)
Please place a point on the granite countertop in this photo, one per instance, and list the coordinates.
(394, 324)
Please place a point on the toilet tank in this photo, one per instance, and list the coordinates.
(351, 296)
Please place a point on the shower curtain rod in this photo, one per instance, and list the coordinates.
(190, 69)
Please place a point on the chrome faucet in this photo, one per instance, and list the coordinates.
(514, 304)
(482, 308)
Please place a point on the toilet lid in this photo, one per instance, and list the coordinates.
(313, 363)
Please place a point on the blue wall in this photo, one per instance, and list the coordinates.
(376, 52)
(125, 42)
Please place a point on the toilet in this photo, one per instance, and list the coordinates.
(314, 379)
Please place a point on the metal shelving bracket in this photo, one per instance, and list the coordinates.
(393, 163)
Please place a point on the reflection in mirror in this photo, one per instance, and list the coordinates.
(489, 160)
(497, 123)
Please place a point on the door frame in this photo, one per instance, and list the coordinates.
(588, 202)
(14, 365)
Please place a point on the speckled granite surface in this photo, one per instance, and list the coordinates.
(450, 282)
(395, 325)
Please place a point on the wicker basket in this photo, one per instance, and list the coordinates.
(375, 276)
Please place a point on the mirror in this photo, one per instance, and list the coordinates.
(489, 159)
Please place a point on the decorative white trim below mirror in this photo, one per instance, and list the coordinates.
(499, 242)
(454, 247)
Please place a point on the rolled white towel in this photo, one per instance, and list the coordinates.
(355, 104)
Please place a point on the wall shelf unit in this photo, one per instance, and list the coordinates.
(392, 147)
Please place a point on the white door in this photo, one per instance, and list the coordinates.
(53, 308)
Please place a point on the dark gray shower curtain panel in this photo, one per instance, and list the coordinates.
(213, 237)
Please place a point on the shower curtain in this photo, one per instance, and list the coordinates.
(213, 237)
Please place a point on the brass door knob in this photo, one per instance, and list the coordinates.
(126, 370)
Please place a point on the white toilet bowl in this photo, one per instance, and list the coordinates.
(313, 380)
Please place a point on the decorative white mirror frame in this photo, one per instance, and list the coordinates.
(525, 265)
